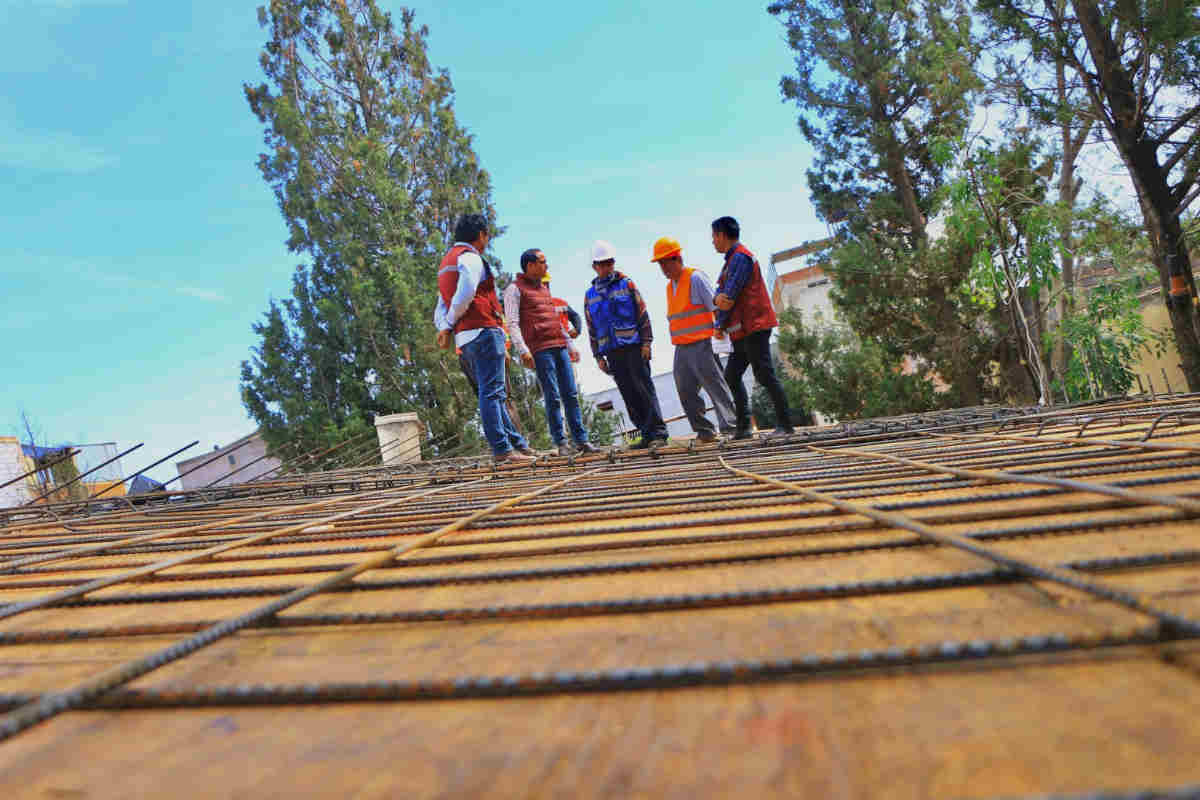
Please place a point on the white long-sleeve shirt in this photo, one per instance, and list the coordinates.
(470, 273)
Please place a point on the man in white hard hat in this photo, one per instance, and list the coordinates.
(619, 328)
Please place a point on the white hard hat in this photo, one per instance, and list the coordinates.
(603, 251)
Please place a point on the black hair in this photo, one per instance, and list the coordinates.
(728, 226)
(469, 227)
(529, 256)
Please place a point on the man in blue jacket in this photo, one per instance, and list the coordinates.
(619, 328)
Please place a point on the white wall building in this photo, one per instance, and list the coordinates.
(12, 464)
(237, 457)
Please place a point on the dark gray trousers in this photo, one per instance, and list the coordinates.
(696, 366)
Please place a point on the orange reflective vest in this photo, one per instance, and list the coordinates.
(689, 322)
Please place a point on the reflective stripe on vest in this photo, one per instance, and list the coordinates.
(689, 322)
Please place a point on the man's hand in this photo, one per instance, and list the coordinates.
(723, 302)
(573, 332)
(527, 359)
(602, 363)
(445, 339)
(719, 333)
(646, 352)
(573, 354)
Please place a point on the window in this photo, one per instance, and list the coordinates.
(605, 405)
(232, 460)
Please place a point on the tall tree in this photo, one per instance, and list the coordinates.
(1139, 63)
(879, 83)
(371, 169)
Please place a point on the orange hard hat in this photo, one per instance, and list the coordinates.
(665, 248)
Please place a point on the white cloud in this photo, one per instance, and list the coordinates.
(50, 151)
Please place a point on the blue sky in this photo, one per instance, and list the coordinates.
(138, 243)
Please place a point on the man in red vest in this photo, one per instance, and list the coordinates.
(690, 314)
(744, 312)
(468, 317)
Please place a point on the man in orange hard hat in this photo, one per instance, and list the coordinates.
(691, 316)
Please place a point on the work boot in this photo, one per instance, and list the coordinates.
(707, 437)
(564, 449)
(742, 433)
(529, 451)
(586, 447)
(513, 457)
(641, 444)
(781, 430)
(661, 441)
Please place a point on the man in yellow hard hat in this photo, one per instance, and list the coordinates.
(690, 313)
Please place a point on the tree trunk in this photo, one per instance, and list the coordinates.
(1119, 103)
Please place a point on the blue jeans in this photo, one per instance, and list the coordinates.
(485, 353)
(558, 380)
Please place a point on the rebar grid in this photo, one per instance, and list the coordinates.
(622, 535)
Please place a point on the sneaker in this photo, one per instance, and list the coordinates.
(513, 457)
(781, 431)
(640, 444)
(529, 451)
(564, 449)
(707, 437)
(742, 433)
(661, 441)
(586, 447)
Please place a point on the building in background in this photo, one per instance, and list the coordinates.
(237, 462)
(59, 479)
(806, 288)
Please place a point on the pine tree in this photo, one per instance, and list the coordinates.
(879, 84)
(371, 169)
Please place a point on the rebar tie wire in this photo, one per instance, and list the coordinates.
(52, 704)
(1175, 623)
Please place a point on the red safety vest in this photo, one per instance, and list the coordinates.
(539, 318)
(753, 311)
(484, 310)
(689, 322)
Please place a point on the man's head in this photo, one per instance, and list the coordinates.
(725, 234)
(533, 264)
(472, 229)
(604, 258)
(668, 253)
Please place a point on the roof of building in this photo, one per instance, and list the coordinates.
(988, 602)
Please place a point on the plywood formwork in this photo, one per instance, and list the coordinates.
(995, 603)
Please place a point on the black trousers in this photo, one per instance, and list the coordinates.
(754, 351)
(632, 374)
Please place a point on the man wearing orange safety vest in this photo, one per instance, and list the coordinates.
(690, 312)
(468, 317)
(744, 312)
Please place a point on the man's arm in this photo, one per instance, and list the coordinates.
(702, 291)
(573, 320)
(512, 321)
(734, 278)
(644, 329)
(470, 273)
(512, 318)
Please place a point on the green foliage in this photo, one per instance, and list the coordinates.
(831, 370)
(1138, 63)
(601, 425)
(1107, 335)
(371, 169)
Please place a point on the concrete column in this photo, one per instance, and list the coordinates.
(399, 437)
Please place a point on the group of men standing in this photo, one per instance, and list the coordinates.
(470, 317)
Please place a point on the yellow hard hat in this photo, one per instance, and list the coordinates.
(665, 248)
